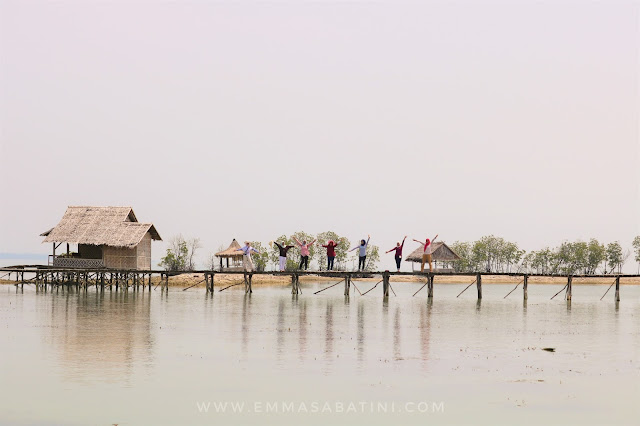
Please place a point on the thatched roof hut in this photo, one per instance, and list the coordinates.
(440, 252)
(231, 253)
(108, 237)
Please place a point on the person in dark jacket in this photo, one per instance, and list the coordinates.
(283, 254)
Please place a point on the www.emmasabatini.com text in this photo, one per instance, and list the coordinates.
(319, 407)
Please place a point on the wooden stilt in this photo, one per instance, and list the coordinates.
(430, 280)
(479, 285)
(385, 284)
(618, 288)
(347, 285)
(569, 279)
(524, 288)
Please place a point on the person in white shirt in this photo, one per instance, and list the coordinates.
(247, 263)
(426, 253)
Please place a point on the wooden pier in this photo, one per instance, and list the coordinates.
(48, 278)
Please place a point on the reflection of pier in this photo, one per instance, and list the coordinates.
(49, 278)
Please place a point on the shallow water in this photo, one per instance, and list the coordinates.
(134, 358)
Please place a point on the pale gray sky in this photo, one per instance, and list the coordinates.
(253, 119)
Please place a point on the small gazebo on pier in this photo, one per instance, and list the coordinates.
(231, 254)
(440, 252)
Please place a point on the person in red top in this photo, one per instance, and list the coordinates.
(331, 253)
(398, 250)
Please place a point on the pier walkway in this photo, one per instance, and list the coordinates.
(48, 278)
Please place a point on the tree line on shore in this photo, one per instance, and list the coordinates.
(495, 254)
(487, 254)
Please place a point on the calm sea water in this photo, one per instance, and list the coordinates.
(142, 359)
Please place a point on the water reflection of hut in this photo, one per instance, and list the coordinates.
(108, 237)
(99, 335)
(440, 252)
(231, 254)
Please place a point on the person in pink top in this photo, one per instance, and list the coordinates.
(426, 253)
(304, 252)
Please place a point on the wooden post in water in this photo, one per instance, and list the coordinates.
(150, 281)
(347, 285)
(385, 284)
(569, 279)
(618, 288)
(294, 284)
(250, 282)
(479, 285)
(430, 280)
(247, 282)
(524, 288)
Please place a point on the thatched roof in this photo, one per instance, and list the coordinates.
(100, 226)
(440, 252)
(231, 250)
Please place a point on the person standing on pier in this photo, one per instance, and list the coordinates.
(426, 253)
(247, 263)
(331, 253)
(362, 253)
(284, 248)
(304, 252)
(398, 249)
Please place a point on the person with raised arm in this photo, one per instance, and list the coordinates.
(426, 253)
(247, 263)
(362, 253)
(331, 253)
(398, 249)
(284, 248)
(304, 252)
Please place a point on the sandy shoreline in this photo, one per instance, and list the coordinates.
(222, 280)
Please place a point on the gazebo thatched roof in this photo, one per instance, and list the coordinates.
(440, 252)
(231, 251)
(100, 226)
